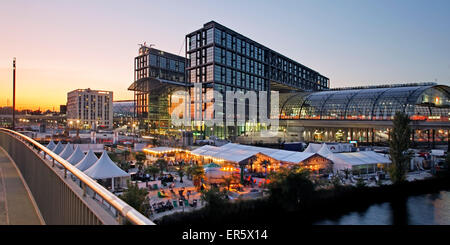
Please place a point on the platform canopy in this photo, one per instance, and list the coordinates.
(87, 161)
(67, 152)
(105, 168)
(349, 160)
(58, 148)
(76, 156)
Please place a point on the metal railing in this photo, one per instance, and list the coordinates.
(123, 210)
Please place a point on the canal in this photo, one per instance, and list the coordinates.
(426, 209)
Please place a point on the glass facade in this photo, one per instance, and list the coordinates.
(232, 62)
(421, 102)
(156, 73)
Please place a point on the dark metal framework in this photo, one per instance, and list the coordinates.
(420, 101)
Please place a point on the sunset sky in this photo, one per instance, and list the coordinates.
(65, 45)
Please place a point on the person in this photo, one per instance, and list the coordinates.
(188, 193)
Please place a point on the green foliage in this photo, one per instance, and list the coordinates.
(336, 181)
(152, 170)
(125, 154)
(140, 158)
(214, 198)
(291, 188)
(113, 157)
(360, 183)
(197, 172)
(229, 180)
(398, 145)
(162, 165)
(181, 171)
(124, 165)
(136, 197)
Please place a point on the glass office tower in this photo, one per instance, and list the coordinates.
(156, 75)
(224, 60)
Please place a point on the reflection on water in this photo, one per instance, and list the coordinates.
(428, 209)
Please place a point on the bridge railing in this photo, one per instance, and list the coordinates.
(60, 200)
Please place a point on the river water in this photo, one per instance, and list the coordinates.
(428, 209)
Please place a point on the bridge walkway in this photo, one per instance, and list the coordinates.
(17, 206)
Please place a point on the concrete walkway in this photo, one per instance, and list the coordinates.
(16, 206)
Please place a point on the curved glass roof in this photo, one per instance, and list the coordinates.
(377, 103)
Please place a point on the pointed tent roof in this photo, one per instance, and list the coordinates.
(104, 168)
(87, 161)
(211, 165)
(324, 151)
(68, 150)
(76, 156)
(58, 148)
(51, 145)
(312, 148)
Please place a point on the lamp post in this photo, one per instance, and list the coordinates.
(14, 95)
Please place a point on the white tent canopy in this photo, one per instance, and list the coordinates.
(324, 151)
(76, 156)
(58, 148)
(87, 161)
(239, 153)
(313, 148)
(68, 150)
(298, 157)
(105, 168)
(51, 145)
(348, 160)
(332, 147)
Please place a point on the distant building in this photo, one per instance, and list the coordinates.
(90, 109)
(123, 112)
(62, 109)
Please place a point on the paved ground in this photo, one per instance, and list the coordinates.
(16, 207)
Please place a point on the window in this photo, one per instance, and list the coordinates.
(172, 65)
(217, 55)
(209, 36)
(229, 41)
(217, 36)
(152, 60)
(181, 66)
(209, 55)
(162, 62)
(192, 42)
(209, 73)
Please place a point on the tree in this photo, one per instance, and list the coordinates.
(162, 165)
(229, 180)
(180, 172)
(360, 183)
(152, 170)
(197, 174)
(336, 181)
(265, 164)
(140, 158)
(136, 197)
(125, 154)
(398, 145)
(113, 157)
(291, 188)
(124, 165)
(214, 198)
